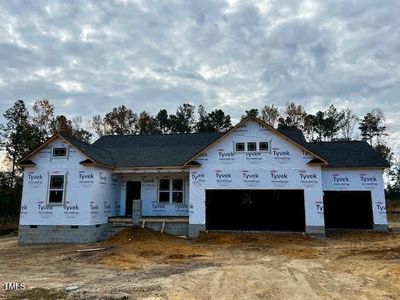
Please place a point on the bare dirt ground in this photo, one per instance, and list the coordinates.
(142, 264)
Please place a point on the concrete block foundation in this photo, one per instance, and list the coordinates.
(381, 228)
(46, 234)
(170, 228)
(195, 229)
(315, 231)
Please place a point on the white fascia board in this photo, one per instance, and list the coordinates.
(147, 171)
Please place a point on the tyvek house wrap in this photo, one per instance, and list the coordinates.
(359, 180)
(283, 167)
(91, 193)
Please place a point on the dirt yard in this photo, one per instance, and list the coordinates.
(142, 264)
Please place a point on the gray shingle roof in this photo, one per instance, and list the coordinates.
(158, 150)
(341, 154)
(97, 154)
(167, 150)
(294, 134)
(349, 154)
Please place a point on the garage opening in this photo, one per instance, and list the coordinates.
(281, 210)
(348, 209)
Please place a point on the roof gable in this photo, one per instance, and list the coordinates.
(291, 135)
(97, 155)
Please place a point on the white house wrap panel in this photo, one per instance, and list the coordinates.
(151, 205)
(89, 196)
(359, 180)
(283, 167)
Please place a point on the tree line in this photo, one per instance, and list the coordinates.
(26, 128)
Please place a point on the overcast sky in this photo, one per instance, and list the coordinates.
(87, 57)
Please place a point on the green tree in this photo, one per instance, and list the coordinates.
(385, 151)
(324, 125)
(393, 187)
(61, 124)
(293, 116)
(310, 125)
(121, 120)
(42, 116)
(78, 130)
(252, 112)
(331, 123)
(183, 121)
(98, 125)
(270, 115)
(347, 124)
(163, 121)
(215, 121)
(372, 126)
(18, 136)
(147, 124)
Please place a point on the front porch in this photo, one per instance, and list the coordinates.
(171, 225)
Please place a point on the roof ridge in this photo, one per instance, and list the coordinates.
(161, 134)
(88, 144)
(331, 142)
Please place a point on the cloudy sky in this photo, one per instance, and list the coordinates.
(90, 56)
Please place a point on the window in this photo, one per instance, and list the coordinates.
(164, 191)
(252, 146)
(239, 147)
(56, 189)
(177, 191)
(60, 152)
(263, 146)
(170, 191)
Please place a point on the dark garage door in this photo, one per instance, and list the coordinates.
(255, 210)
(348, 209)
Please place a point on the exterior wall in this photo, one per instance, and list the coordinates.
(91, 193)
(359, 180)
(285, 167)
(149, 194)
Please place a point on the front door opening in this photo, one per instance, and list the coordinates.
(132, 193)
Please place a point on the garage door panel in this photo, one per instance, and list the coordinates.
(255, 210)
(348, 209)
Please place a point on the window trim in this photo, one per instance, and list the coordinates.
(55, 156)
(247, 147)
(164, 191)
(49, 189)
(269, 146)
(171, 191)
(244, 147)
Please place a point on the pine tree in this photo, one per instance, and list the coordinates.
(18, 136)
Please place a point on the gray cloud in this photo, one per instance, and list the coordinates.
(87, 57)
